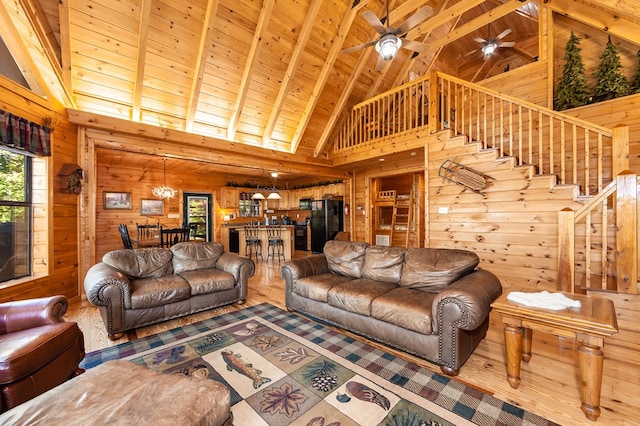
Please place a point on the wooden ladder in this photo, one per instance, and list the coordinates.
(402, 216)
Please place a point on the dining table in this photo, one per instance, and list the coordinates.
(147, 242)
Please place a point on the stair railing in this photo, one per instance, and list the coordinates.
(598, 244)
(553, 142)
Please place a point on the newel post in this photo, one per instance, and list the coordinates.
(620, 147)
(627, 233)
(566, 251)
(434, 96)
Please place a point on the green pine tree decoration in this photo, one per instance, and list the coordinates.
(610, 82)
(572, 90)
(635, 81)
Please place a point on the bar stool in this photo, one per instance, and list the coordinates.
(253, 244)
(276, 243)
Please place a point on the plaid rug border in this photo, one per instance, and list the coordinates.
(471, 404)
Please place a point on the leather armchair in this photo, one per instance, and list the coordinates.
(38, 349)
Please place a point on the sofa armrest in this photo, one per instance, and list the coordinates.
(295, 269)
(107, 286)
(240, 267)
(24, 314)
(468, 301)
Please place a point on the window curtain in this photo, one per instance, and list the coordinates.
(18, 133)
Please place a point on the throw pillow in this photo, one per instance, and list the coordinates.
(345, 258)
(432, 270)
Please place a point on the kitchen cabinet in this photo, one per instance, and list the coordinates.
(229, 197)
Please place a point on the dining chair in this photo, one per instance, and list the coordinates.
(171, 236)
(148, 231)
(124, 234)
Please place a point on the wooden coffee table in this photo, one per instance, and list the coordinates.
(589, 325)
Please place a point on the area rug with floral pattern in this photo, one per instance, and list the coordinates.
(284, 369)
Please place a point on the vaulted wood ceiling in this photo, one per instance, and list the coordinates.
(268, 73)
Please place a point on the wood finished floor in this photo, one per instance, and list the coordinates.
(550, 381)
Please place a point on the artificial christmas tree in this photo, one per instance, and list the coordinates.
(572, 89)
(610, 82)
(635, 81)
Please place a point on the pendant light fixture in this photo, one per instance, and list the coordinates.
(164, 191)
(274, 195)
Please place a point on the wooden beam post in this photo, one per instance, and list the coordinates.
(627, 233)
(433, 102)
(620, 147)
(566, 252)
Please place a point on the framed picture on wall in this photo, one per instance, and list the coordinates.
(151, 207)
(117, 200)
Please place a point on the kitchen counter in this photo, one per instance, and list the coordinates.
(287, 238)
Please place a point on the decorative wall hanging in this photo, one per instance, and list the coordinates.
(70, 178)
(463, 176)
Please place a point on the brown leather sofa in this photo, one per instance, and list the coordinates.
(432, 303)
(38, 349)
(133, 288)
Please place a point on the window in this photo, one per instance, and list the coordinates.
(16, 213)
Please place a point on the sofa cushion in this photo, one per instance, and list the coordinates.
(190, 256)
(383, 263)
(204, 281)
(345, 258)
(317, 287)
(405, 307)
(141, 263)
(357, 295)
(151, 292)
(432, 270)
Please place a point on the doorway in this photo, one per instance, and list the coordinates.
(197, 214)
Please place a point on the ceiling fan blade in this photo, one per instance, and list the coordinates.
(479, 40)
(421, 14)
(374, 21)
(380, 64)
(414, 45)
(358, 47)
(504, 34)
(507, 44)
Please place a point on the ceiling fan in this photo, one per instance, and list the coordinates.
(490, 45)
(390, 39)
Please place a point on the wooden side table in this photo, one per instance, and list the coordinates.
(589, 325)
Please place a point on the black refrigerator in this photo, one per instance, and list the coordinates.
(326, 221)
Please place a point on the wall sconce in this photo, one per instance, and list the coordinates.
(70, 178)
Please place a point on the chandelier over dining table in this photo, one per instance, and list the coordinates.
(164, 191)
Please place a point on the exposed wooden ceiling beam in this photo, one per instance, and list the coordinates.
(296, 57)
(258, 36)
(201, 62)
(477, 23)
(336, 47)
(245, 154)
(138, 84)
(342, 101)
(612, 24)
(442, 18)
(65, 44)
(233, 162)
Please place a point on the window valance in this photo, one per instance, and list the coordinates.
(25, 135)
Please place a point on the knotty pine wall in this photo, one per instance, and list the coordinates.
(62, 237)
(139, 181)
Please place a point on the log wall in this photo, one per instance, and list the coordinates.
(61, 276)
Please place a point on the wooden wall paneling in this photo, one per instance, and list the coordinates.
(58, 244)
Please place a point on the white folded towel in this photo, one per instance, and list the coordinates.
(543, 299)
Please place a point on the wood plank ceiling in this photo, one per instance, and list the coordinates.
(267, 73)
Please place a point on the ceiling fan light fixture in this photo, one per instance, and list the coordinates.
(388, 46)
(489, 48)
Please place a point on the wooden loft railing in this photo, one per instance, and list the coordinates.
(598, 244)
(553, 142)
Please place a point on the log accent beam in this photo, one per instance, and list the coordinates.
(201, 148)
(138, 84)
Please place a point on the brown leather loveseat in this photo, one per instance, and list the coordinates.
(138, 287)
(432, 303)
